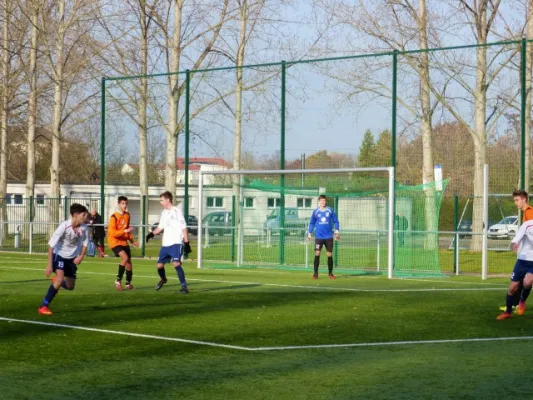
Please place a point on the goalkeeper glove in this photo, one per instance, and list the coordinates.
(149, 236)
(187, 248)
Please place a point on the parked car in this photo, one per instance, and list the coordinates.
(506, 228)
(217, 223)
(465, 228)
(293, 223)
(192, 225)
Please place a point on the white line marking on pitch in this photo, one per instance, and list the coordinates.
(140, 335)
(273, 348)
(332, 288)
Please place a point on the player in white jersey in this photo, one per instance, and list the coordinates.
(67, 248)
(175, 241)
(523, 269)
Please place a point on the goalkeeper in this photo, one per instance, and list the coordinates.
(323, 218)
(175, 241)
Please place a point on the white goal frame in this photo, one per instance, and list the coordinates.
(241, 173)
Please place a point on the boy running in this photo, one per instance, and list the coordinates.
(67, 248)
(118, 236)
(175, 241)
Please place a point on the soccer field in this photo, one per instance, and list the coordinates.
(257, 334)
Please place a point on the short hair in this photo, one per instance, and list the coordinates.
(520, 193)
(122, 198)
(167, 195)
(322, 196)
(77, 208)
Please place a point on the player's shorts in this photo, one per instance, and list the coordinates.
(118, 249)
(170, 253)
(521, 268)
(66, 265)
(324, 242)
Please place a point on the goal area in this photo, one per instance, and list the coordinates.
(260, 219)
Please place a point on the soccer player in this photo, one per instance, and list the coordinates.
(67, 248)
(523, 269)
(118, 235)
(175, 241)
(98, 231)
(323, 217)
(520, 198)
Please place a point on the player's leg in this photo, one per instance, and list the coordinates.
(175, 252)
(318, 248)
(329, 252)
(57, 282)
(526, 290)
(120, 252)
(161, 261)
(517, 276)
(100, 246)
(129, 269)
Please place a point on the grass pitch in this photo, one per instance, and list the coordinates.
(262, 334)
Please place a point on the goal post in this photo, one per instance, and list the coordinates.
(253, 218)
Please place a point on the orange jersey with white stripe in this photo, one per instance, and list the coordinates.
(118, 223)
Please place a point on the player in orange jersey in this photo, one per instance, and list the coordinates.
(119, 233)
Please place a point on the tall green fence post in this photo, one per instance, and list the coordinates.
(455, 228)
(282, 167)
(233, 219)
(335, 242)
(393, 134)
(65, 207)
(102, 150)
(143, 226)
(523, 114)
(187, 136)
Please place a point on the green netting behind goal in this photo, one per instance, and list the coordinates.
(261, 221)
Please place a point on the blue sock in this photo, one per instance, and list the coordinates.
(52, 291)
(161, 272)
(181, 275)
(509, 303)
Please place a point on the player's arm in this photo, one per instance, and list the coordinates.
(515, 243)
(54, 240)
(336, 225)
(157, 230)
(312, 222)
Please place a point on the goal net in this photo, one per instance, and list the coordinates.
(255, 219)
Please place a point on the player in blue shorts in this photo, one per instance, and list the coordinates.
(67, 247)
(325, 220)
(523, 269)
(175, 241)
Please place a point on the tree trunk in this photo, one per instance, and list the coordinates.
(3, 120)
(529, 68)
(431, 222)
(55, 189)
(237, 145)
(32, 116)
(173, 100)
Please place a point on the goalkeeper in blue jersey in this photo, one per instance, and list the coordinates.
(325, 220)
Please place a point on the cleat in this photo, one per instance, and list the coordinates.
(184, 290)
(118, 285)
(331, 276)
(504, 315)
(521, 308)
(315, 276)
(129, 286)
(44, 310)
(160, 284)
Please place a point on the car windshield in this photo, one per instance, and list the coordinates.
(508, 221)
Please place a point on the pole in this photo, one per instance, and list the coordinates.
(143, 226)
(484, 255)
(282, 167)
(523, 114)
(102, 149)
(200, 217)
(394, 104)
(187, 137)
(455, 228)
(390, 241)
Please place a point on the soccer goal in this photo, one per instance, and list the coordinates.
(253, 219)
(260, 219)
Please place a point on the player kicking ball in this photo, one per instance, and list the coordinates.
(67, 248)
(175, 241)
(325, 220)
(523, 270)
